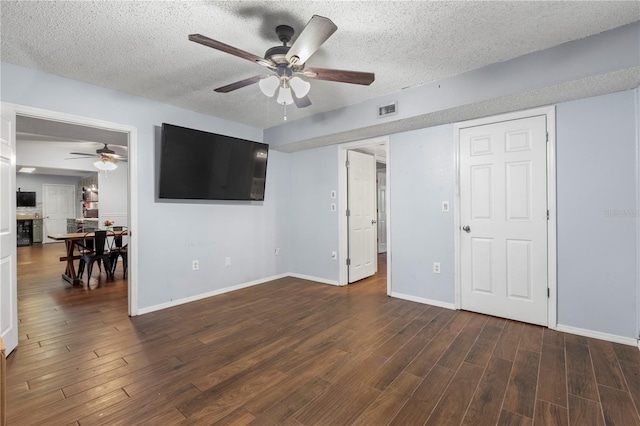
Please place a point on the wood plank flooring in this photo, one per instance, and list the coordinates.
(294, 352)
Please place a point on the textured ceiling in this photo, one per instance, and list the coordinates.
(141, 47)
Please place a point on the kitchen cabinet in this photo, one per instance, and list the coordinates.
(87, 182)
(37, 231)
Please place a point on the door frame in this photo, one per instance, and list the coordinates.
(343, 234)
(27, 111)
(386, 224)
(552, 284)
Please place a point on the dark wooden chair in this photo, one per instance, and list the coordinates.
(119, 249)
(85, 248)
(100, 253)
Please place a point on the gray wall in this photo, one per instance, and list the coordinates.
(113, 195)
(421, 172)
(597, 251)
(313, 226)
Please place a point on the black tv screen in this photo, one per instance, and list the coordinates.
(200, 165)
(25, 199)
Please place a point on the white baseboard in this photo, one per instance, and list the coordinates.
(142, 311)
(423, 300)
(598, 335)
(312, 278)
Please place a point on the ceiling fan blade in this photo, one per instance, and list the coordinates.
(316, 32)
(206, 41)
(342, 76)
(239, 84)
(77, 158)
(302, 102)
(83, 153)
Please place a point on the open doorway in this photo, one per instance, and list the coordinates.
(86, 135)
(360, 230)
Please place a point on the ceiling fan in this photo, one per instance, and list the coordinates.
(287, 63)
(107, 158)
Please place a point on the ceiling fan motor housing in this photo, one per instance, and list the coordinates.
(278, 54)
(105, 150)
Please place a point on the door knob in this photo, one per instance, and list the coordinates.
(373, 222)
(466, 229)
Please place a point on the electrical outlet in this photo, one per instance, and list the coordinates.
(227, 261)
(333, 194)
(333, 207)
(195, 265)
(445, 206)
(334, 255)
(277, 251)
(436, 267)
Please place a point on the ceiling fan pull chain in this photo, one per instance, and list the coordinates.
(285, 111)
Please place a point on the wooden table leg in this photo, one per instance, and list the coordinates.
(70, 271)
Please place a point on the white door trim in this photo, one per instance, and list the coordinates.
(28, 111)
(550, 113)
(343, 236)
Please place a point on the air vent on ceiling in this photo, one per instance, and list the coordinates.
(389, 109)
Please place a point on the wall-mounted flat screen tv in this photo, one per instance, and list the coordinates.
(25, 199)
(197, 165)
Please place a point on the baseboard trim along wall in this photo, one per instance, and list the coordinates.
(422, 300)
(171, 304)
(312, 278)
(142, 311)
(598, 335)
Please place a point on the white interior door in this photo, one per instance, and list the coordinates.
(361, 179)
(503, 215)
(59, 204)
(382, 211)
(8, 236)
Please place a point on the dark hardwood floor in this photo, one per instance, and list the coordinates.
(295, 352)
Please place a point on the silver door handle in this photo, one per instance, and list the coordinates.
(373, 222)
(466, 229)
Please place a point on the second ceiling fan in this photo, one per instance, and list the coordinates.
(287, 63)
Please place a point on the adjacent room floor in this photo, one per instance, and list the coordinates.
(297, 352)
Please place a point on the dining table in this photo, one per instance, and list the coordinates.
(72, 241)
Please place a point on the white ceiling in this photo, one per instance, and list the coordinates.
(141, 47)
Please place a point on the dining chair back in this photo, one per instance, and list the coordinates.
(119, 249)
(103, 241)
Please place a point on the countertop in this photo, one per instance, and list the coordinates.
(27, 217)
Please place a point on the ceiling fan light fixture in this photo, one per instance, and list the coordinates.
(269, 85)
(300, 87)
(284, 96)
(106, 165)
